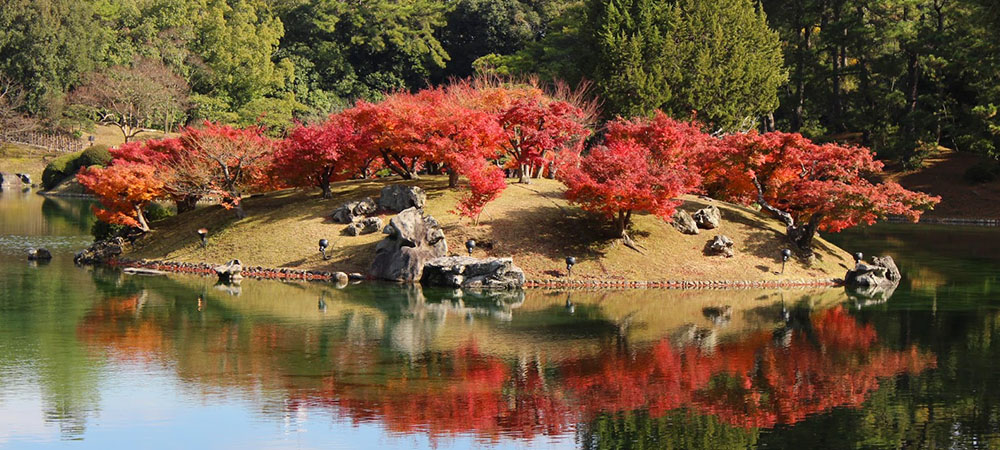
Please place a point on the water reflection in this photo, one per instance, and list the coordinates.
(504, 365)
(103, 357)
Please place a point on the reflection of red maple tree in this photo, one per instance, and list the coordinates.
(753, 383)
(758, 381)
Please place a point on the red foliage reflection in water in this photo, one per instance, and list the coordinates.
(763, 380)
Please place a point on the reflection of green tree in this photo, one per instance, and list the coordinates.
(68, 214)
(41, 308)
(678, 429)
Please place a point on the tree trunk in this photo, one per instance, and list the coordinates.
(452, 178)
(240, 212)
(187, 203)
(327, 193)
(525, 174)
(798, 118)
(143, 225)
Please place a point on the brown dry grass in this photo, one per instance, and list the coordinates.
(943, 174)
(532, 223)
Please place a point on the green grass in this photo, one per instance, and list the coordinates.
(532, 223)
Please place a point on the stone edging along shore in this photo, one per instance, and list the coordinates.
(313, 275)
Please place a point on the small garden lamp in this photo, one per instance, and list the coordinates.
(323, 244)
(470, 245)
(858, 257)
(785, 255)
(570, 262)
(203, 234)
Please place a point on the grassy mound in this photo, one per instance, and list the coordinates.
(532, 223)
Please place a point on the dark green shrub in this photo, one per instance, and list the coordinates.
(103, 230)
(67, 165)
(58, 170)
(95, 155)
(156, 211)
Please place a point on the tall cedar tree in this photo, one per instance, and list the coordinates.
(718, 58)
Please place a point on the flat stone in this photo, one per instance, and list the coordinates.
(469, 272)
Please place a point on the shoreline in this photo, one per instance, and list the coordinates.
(266, 273)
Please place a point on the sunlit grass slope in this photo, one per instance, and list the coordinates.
(532, 223)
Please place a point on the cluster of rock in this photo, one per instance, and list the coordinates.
(469, 272)
(101, 252)
(707, 218)
(394, 198)
(721, 245)
(415, 249)
(876, 280)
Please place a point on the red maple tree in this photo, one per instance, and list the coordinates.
(644, 165)
(807, 186)
(316, 155)
(124, 189)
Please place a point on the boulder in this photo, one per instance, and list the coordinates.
(39, 254)
(876, 280)
(469, 272)
(25, 178)
(684, 223)
(371, 225)
(891, 271)
(100, 252)
(413, 239)
(340, 279)
(231, 272)
(707, 218)
(397, 197)
(1, 178)
(351, 211)
(720, 245)
(354, 229)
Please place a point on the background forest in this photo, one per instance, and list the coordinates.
(899, 76)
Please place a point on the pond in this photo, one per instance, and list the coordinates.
(92, 357)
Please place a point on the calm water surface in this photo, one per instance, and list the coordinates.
(93, 358)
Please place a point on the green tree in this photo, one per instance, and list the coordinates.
(348, 50)
(717, 58)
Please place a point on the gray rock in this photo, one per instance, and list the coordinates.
(1, 178)
(721, 245)
(100, 252)
(413, 239)
(397, 197)
(354, 276)
(341, 278)
(25, 178)
(891, 271)
(40, 254)
(231, 272)
(876, 280)
(469, 272)
(354, 229)
(351, 211)
(684, 223)
(371, 225)
(708, 218)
